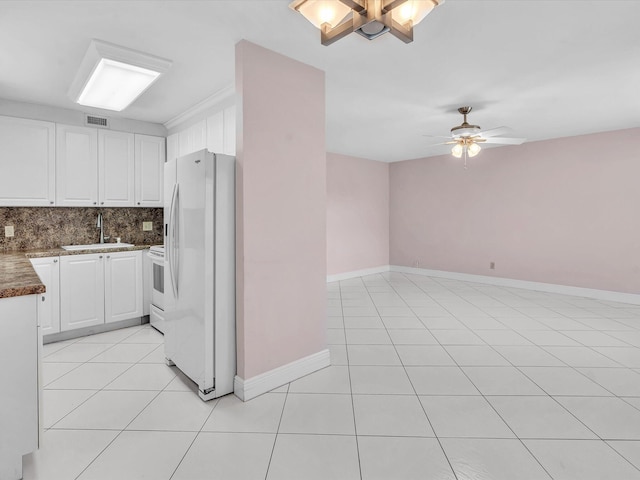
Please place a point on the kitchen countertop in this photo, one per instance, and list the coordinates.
(17, 276)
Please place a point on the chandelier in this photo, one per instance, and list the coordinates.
(370, 18)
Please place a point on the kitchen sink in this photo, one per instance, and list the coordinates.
(97, 246)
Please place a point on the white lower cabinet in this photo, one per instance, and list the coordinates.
(81, 291)
(100, 288)
(48, 269)
(123, 286)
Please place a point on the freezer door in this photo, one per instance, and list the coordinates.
(188, 336)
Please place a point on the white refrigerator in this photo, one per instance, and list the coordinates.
(200, 327)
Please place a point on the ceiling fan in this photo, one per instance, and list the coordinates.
(466, 138)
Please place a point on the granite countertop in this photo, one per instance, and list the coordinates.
(17, 276)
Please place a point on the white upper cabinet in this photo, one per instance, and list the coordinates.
(27, 162)
(76, 166)
(149, 171)
(116, 168)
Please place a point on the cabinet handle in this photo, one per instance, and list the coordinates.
(42, 296)
(138, 203)
(95, 203)
(108, 256)
(50, 203)
(101, 203)
(55, 261)
(100, 256)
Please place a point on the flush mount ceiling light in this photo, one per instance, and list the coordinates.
(370, 18)
(112, 77)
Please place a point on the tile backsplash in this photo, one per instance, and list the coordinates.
(50, 227)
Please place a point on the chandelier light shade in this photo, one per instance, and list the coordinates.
(370, 18)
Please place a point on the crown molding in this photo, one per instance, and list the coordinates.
(200, 107)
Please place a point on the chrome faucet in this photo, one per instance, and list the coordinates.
(100, 225)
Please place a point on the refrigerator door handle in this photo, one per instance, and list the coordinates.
(176, 243)
(172, 239)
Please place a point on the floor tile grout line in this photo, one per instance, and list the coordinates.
(194, 438)
(277, 433)
(551, 396)
(455, 475)
(125, 427)
(353, 407)
(498, 414)
(95, 393)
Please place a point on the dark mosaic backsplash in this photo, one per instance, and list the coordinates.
(44, 227)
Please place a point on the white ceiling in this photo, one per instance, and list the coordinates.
(547, 69)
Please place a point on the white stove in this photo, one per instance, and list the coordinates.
(156, 316)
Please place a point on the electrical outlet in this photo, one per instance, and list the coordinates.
(492, 265)
(147, 226)
(8, 231)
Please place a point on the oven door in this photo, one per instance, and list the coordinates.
(157, 276)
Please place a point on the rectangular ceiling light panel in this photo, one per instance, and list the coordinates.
(112, 77)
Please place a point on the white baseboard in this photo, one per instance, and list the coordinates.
(607, 295)
(265, 382)
(357, 273)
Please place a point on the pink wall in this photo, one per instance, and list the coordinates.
(281, 210)
(357, 213)
(564, 211)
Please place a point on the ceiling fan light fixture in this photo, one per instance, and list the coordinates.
(370, 18)
(457, 150)
(473, 149)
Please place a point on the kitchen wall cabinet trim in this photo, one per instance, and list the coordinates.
(27, 162)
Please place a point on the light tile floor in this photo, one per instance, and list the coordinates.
(431, 379)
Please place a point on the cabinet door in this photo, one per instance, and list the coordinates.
(81, 291)
(123, 286)
(76, 166)
(116, 169)
(150, 156)
(48, 269)
(27, 162)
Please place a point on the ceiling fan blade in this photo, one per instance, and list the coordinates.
(442, 143)
(437, 136)
(505, 141)
(494, 132)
